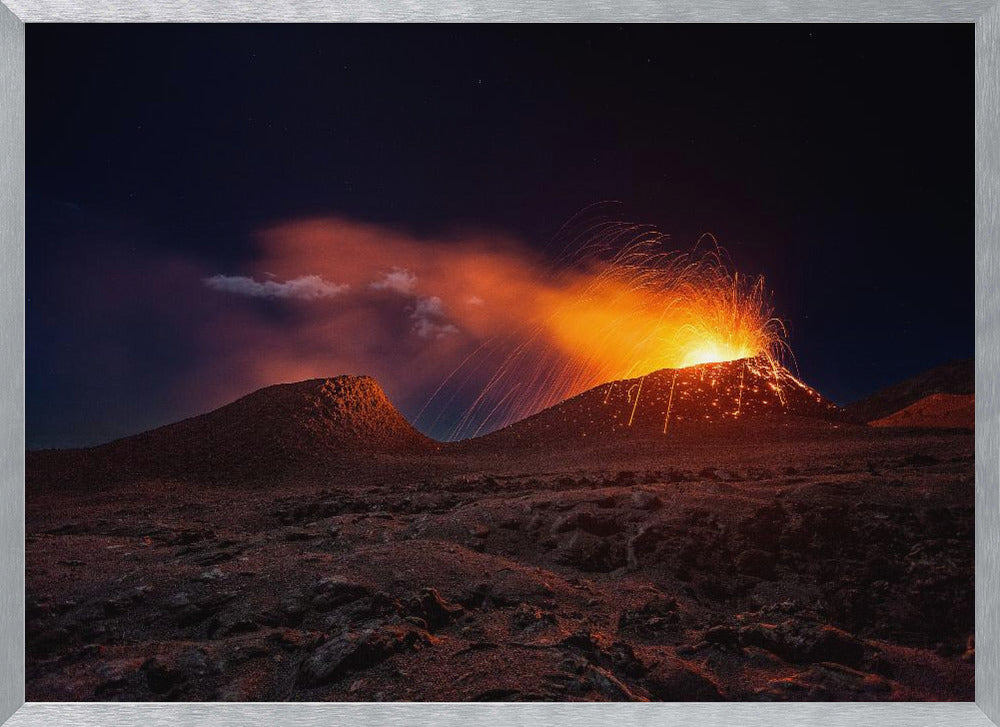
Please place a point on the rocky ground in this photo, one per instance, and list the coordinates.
(802, 560)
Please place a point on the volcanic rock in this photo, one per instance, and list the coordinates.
(530, 619)
(434, 610)
(599, 525)
(723, 636)
(653, 619)
(827, 682)
(356, 651)
(642, 500)
(586, 552)
(329, 593)
(801, 642)
(675, 680)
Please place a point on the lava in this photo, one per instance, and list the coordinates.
(621, 305)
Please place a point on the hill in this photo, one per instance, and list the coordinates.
(955, 377)
(937, 411)
(278, 429)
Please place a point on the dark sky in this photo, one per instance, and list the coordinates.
(837, 161)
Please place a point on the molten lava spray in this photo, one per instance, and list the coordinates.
(619, 305)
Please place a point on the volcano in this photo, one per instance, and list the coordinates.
(276, 430)
(746, 390)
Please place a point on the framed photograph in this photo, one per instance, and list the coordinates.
(626, 363)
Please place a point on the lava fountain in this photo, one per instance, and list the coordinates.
(619, 304)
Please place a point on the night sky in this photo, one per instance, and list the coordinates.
(837, 161)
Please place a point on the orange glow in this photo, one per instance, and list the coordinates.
(486, 330)
(674, 319)
(624, 312)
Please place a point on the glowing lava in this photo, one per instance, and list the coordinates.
(712, 352)
(627, 319)
(621, 305)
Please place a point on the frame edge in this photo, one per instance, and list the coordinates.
(12, 245)
(12, 249)
(519, 11)
(988, 362)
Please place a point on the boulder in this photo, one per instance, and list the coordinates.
(588, 522)
(644, 500)
(354, 651)
(434, 610)
(588, 553)
(827, 682)
(801, 642)
(675, 680)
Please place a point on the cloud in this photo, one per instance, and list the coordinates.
(475, 300)
(428, 315)
(430, 329)
(400, 280)
(428, 307)
(428, 312)
(305, 287)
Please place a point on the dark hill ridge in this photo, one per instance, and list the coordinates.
(300, 419)
(937, 411)
(956, 377)
(281, 428)
(673, 399)
(311, 427)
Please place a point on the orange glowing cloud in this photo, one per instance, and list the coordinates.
(475, 330)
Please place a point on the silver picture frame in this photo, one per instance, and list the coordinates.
(985, 14)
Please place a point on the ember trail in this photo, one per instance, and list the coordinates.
(621, 305)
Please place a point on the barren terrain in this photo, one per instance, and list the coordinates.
(769, 558)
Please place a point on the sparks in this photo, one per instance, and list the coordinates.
(621, 304)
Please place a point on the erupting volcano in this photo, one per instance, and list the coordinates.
(621, 304)
(676, 400)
